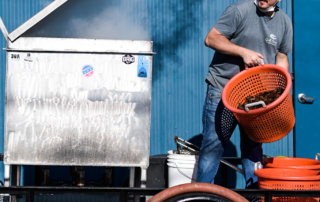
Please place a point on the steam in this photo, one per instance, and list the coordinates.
(111, 19)
(170, 26)
(115, 23)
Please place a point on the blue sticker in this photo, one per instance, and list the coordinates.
(143, 66)
(87, 70)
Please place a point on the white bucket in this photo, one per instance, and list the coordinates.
(181, 168)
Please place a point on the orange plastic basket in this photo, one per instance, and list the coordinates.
(288, 179)
(288, 174)
(292, 162)
(265, 124)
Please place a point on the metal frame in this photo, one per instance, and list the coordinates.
(4, 29)
(126, 193)
(35, 19)
(80, 45)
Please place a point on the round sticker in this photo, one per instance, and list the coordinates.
(87, 70)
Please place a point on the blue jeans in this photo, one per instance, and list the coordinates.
(218, 126)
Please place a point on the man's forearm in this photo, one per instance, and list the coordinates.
(282, 60)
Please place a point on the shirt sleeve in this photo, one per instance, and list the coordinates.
(286, 44)
(228, 22)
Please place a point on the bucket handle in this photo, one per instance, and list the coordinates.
(232, 166)
(182, 173)
(246, 107)
(181, 142)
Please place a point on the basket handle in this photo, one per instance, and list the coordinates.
(246, 107)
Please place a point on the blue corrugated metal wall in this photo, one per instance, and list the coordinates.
(177, 28)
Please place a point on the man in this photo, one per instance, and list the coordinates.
(248, 33)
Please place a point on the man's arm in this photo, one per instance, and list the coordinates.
(220, 43)
(282, 60)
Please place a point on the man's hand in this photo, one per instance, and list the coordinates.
(251, 58)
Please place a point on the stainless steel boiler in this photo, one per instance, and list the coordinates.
(83, 102)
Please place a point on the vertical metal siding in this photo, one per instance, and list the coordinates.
(178, 72)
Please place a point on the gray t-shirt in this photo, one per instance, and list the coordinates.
(245, 25)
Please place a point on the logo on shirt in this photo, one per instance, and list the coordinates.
(272, 40)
